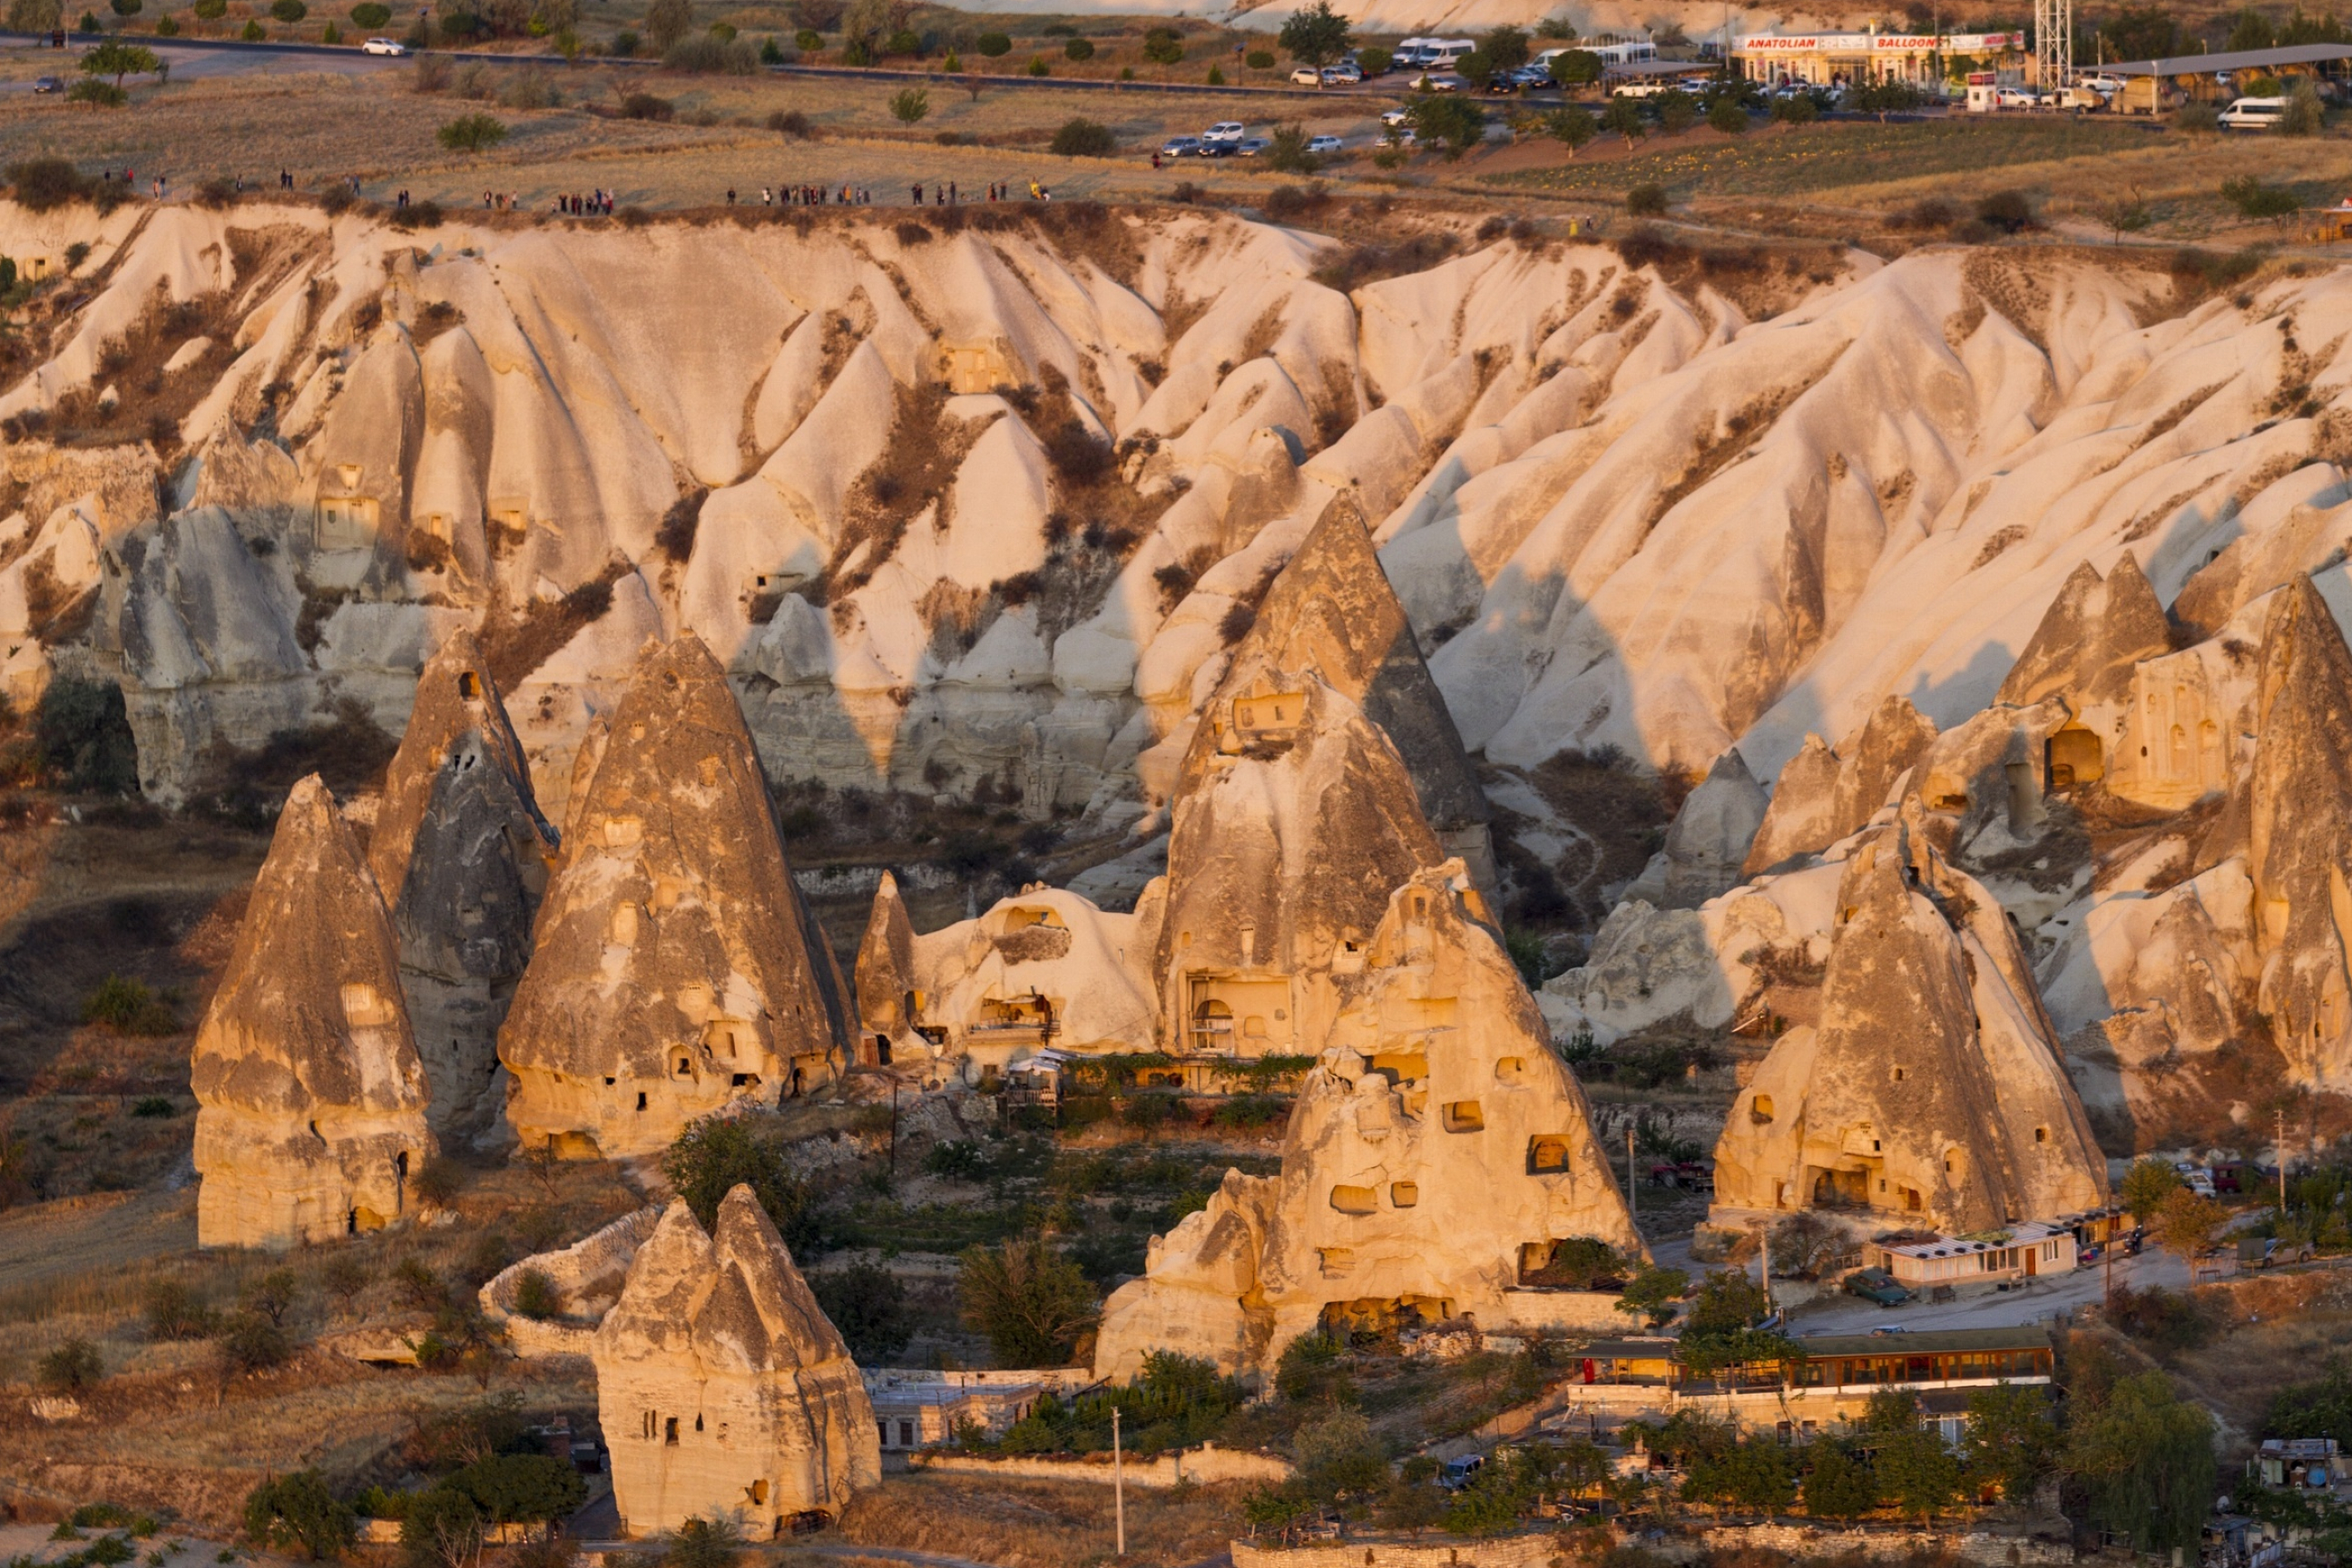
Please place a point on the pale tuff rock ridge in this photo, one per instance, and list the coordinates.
(677, 968)
(721, 1385)
(1438, 1149)
(311, 1099)
(1710, 836)
(1824, 795)
(1932, 1091)
(462, 850)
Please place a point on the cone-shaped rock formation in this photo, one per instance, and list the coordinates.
(1332, 611)
(1712, 833)
(887, 1004)
(677, 967)
(2089, 638)
(2298, 801)
(1824, 795)
(461, 853)
(311, 1099)
(723, 1387)
(1932, 1090)
(1438, 1153)
(1281, 859)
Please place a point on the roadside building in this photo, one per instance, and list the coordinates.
(2224, 76)
(921, 1409)
(1840, 59)
(2020, 1252)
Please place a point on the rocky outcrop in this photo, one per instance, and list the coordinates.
(311, 1099)
(1331, 610)
(1042, 968)
(1931, 1091)
(888, 1006)
(1711, 835)
(2298, 822)
(677, 968)
(1822, 795)
(2093, 633)
(1281, 859)
(722, 1387)
(1438, 1153)
(463, 854)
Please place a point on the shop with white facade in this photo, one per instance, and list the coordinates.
(1839, 60)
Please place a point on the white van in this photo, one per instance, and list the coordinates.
(1442, 53)
(2254, 114)
(1409, 52)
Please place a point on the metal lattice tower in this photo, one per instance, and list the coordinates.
(2053, 45)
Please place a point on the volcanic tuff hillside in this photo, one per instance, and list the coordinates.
(983, 508)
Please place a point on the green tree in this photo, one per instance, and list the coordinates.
(2142, 32)
(300, 1513)
(993, 45)
(2250, 30)
(2143, 1457)
(667, 21)
(1163, 46)
(175, 1312)
(36, 16)
(1797, 108)
(1573, 126)
(536, 1297)
(1727, 117)
(716, 1155)
(1838, 1483)
(1916, 1473)
(2146, 1183)
(1646, 201)
(2305, 115)
(118, 59)
(714, 1542)
(1031, 1302)
(274, 1294)
(1624, 116)
(71, 1367)
(2189, 1225)
(442, 1529)
(869, 1304)
(2126, 214)
(472, 133)
(251, 1342)
(1286, 152)
(522, 1488)
(1443, 121)
(2012, 1438)
(1727, 1299)
(1678, 112)
(1577, 67)
(909, 104)
(1315, 34)
(1653, 1292)
(1505, 48)
(1757, 1477)
(1338, 1457)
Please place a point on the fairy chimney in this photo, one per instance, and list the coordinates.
(311, 1100)
(462, 853)
(676, 968)
(722, 1387)
(1824, 795)
(1933, 1092)
(1439, 1152)
(888, 1006)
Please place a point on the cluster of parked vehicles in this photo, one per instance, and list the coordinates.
(1231, 139)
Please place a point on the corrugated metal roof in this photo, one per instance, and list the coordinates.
(1928, 1341)
(2233, 60)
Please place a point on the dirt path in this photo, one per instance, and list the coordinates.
(89, 1237)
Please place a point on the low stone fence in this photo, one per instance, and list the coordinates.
(1499, 1552)
(587, 1276)
(1203, 1466)
(1806, 1540)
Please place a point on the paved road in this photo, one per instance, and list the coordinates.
(1984, 1308)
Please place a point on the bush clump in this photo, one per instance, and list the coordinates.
(1083, 138)
(128, 1007)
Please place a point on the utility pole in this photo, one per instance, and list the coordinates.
(1764, 1259)
(894, 1128)
(1629, 1171)
(2279, 1144)
(1118, 1481)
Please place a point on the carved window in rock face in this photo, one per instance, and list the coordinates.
(622, 929)
(2042, 1135)
(1349, 1199)
(469, 685)
(1336, 1262)
(1404, 1195)
(650, 1424)
(1511, 1069)
(346, 523)
(669, 1431)
(1759, 1110)
(1464, 1115)
(1547, 1154)
(624, 832)
(364, 1007)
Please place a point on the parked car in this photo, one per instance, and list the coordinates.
(1396, 116)
(1459, 1473)
(1876, 1285)
(1181, 147)
(1642, 88)
(1225, 130)
(2102, 83)
(2254, 114)
(1347, 73)
(1439, 81)
(1307, 76)
(383, 47)
(1252, 146)
(2017, 98)
(48, 84)
(1321, 144)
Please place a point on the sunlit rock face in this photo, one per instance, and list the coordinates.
(463, 853)
(1931, 1091)
(676, 968)
(312, 1097)
(1438, 1150)
(722, 1387)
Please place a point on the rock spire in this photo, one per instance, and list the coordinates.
(462, 854)
(677, 968)
(1822, 795)
(887, 1005)
(311, 1099)
(722, 1385)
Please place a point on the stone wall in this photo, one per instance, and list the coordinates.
(1206, 1465)
(1506, 1551)
(587, 1276)
(1811, 1542)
